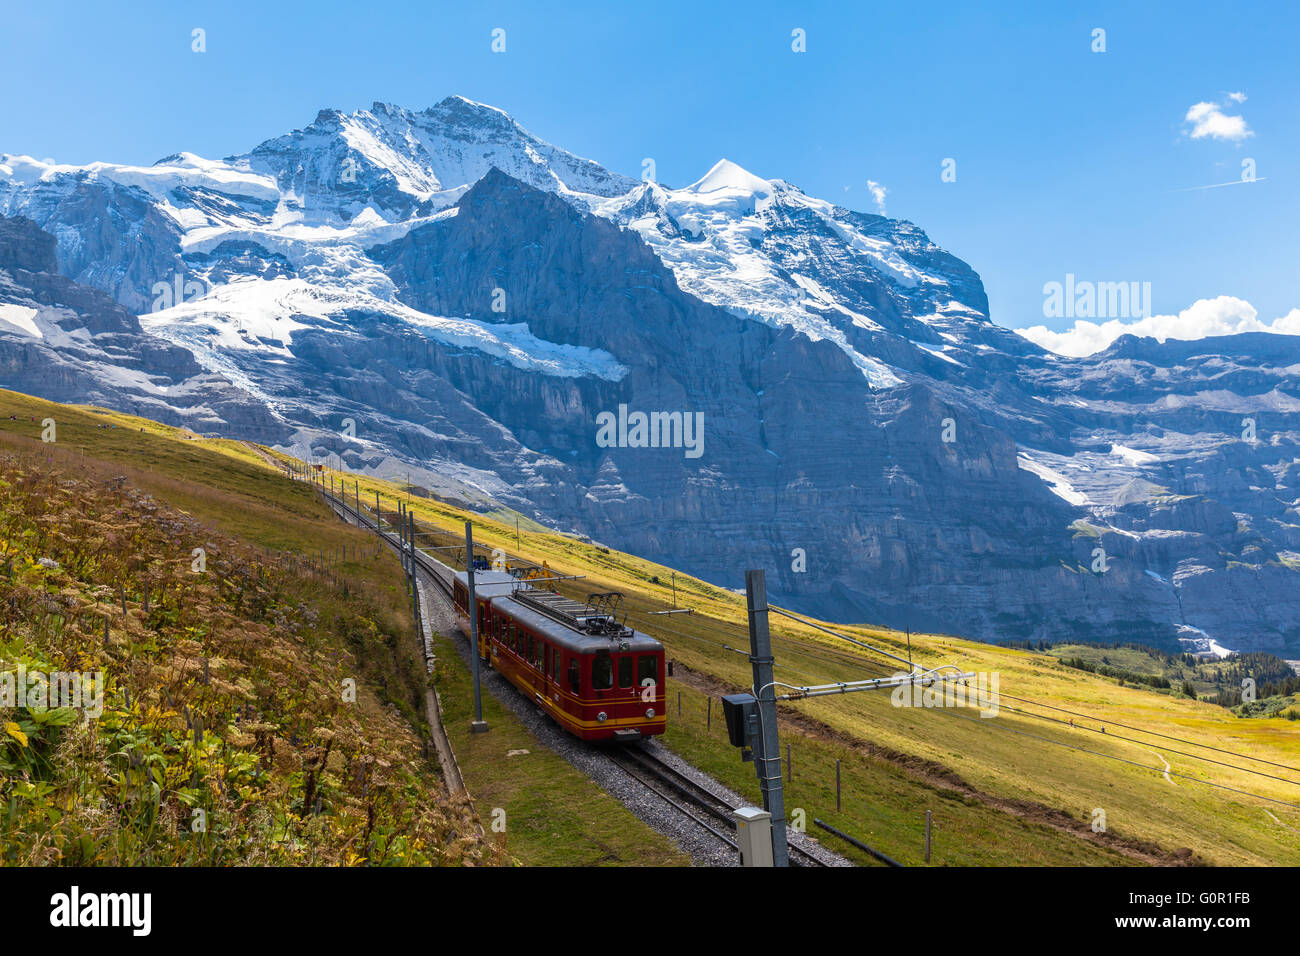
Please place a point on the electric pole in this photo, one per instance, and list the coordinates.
(478, 725)
(401, 538)
(767, 757)
(415, 590)
(751, 718)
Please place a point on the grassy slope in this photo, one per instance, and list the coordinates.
(1009, 797)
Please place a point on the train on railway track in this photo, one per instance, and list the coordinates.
(596, 677)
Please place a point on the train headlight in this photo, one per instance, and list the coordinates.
(649, 713)
(602, 716)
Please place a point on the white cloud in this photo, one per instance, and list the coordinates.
(1208, 119)
(1224, 315)
(877, 194)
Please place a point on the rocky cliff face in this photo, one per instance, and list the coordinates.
(441, 293)
(68, 342)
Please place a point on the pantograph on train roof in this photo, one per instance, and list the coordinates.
(595, 616)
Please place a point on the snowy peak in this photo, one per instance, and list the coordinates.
(461, 111)
(726, 175)
(408, 162)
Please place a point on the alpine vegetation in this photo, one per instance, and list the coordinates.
(219, 731)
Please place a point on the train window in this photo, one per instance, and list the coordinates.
(647, 669)
(625, 671)
(532, 649)
(602, 672)
(575, 676)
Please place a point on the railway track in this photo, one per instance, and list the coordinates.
(435, 569)
(690, 798)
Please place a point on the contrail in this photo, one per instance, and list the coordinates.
(1235, 182)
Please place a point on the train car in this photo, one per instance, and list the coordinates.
(597, 678)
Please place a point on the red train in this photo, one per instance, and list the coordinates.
(597, 678)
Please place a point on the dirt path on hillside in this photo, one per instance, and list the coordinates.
(277, 465)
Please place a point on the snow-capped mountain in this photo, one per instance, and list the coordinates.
(402, 163)
(474, 299)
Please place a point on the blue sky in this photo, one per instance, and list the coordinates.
(1067, 161)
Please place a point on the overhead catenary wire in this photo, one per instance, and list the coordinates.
(1108, 722)
(659, 629)
(1182, 740)
(839, 659)
(843, 637)
(1149, 744)
(692, 637)
(1124, 760)
(1136, 742)
(1142, 743)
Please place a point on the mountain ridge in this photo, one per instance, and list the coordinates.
(861, 404)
